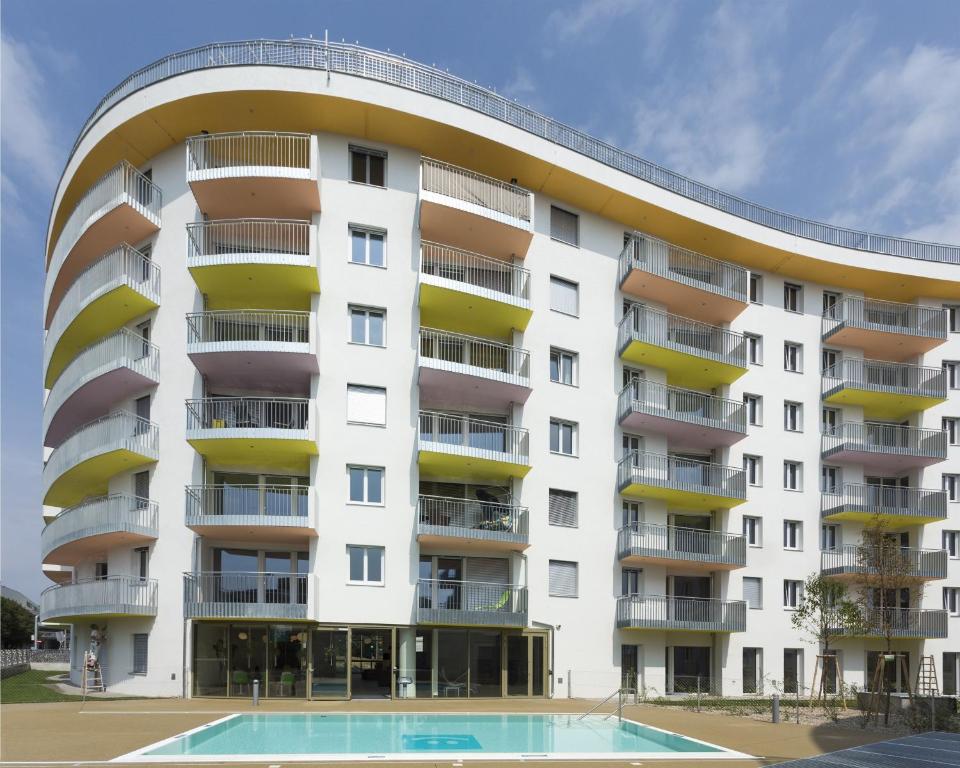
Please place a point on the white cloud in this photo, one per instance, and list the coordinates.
(566, 24)
(591, 18)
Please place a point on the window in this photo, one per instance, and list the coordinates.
(368, 326)
(754, 348)
(792, 357)
(368, 166)
(144, 332)
(951, 484)
(951, 543)
(752, 467)
(366, 485)
(563, 366)
(951, 425)
(564, 296)
(632, 514)
(830, 301)
(564, 226)
(792, 297)
(366, 405)
(562, 578)
(366, 564)
(563, 437)
(756, 288)
(100, 571)
(952, 369)
(368, 246)
(829, 420)
(792, 416)
(828, 362)
(140, 645)
(754, 405)
(951, 600)
(792, 593)
(791, 475)
(141, 489)
(829, 537)
(953, 317)
(752, 531)
(792, 530)
(829, 479)
(562, 508)
(630, 581)
(753, 592)
(141, 562)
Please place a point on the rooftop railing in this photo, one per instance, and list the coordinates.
(284, 413)
(888, 316)
(470, 603)
(239, 237)
(488, 274)
(885, 500)
(692, 613)
(859, 559)
(471, 187)
(237, 153)
(459, 349)
(874, 437)
(112, 596)
(881, 376)
(246, 504)
(246, 595)
(116, 513)
(651, 326)
(655, 399)
(472, 519)
(679, 543)
(255, 326)
(471, 436)
(682, 474)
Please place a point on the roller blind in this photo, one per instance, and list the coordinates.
(140, 653)
(564, 226)
(564, 296)
(367, 405)
(563, 578)
(492, 570)
(562, 508)
(753, 591)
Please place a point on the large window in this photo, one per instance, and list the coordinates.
(792, 297)
(564, 226)
(562, 508)
(792, 357)
(365, 564)
(563, 437)
(368, 246)
(563, 366)
(563, 578)
(756, 288)
(792, 416)
(366, 405)
(754, 405)
(366, 485)
(792, 534)
(368, 326)
(752, 531)
(753, 468)
(368, 166)
(792, 475)
(792, 593)
(754, 348)
(564, 296)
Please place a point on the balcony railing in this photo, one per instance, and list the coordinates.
(490, 275)
(471, 187)
(112, 596)
(245, 595)
(655, 399)
(211, 242)
(651, 326)
(887, 316)
(922, 623)
(670, 542)
(116, 513)
(284, 413)
(470, 436)
(885, 500)
(248, 328)
(682, 474)
(692, 613)
(871, 437)
(266, 504)
(497, 360)
(664, 259)
(470, 519)
(881, 376)
(242, 153)
(470, 603)
(854, 559)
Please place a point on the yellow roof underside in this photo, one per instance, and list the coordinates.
(464, 312)
(257, 286)
(90, 478)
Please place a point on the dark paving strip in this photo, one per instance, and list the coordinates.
(924, 750)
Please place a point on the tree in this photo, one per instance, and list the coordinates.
(16, 624)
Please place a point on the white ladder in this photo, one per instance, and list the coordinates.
(92, 679)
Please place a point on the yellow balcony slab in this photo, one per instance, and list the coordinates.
(91, 476)
(456, 307)
(683, 369)
(681, 499)
(436, 463)
(222, 448)
(256, 285)
(884, 406)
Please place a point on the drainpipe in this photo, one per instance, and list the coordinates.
(553, 630)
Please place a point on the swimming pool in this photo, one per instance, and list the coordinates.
(320, 736)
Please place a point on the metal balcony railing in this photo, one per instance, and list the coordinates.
(857, 559)
(287, 413)
(266, 504)
(694, 613)
(498, 360)
(483, 272)
(873, 437)
(888, 316)
(264, 328)
(923, 623)
(687, 405)
(471, 519)
(664, 471)
(239, 153)
(116, 513)
(881, 376)
(470, 603)
(884, 500)
(246, 595)
(470, 436)
(112, 596)
(472, 187)
(664, 259)
(651, 326)
(223, 238)
(678, 543)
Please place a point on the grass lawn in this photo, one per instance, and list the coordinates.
(33, 687)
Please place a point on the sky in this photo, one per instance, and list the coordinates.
(843, 112)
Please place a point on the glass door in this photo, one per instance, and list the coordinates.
(287, 655)
(328, 664)
(518, 665)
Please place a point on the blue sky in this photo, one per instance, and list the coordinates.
(845, 112)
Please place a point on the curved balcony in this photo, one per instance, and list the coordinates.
(903, 623)
(458, 446)
(254, 263)
(254, 173)
(59, 574)
(261, 350)
(273, 432)
(687, 547)
(471, 524)
(895, 506)
(884, 447)
(97, 525)
(264, 513)
(84, 462)
(465, 371)
(252, 595)
(471, 293)
(853, 561)
(472, 211)
(681, 482)
(471, 603)
(118, 288)
(693, 614)
(104, 598)
(884, 390)
(110, 370)
(885, 330)
(694, 355)
(122, 206)
(704, 288)
(687, 417)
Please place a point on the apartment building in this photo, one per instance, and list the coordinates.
(362, 381)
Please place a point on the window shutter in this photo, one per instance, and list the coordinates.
(367, 405)
(563, 578)
(492, 570)
(564, 226)
(752, 591)
(140, 653)
(562, 508)
(564, 296)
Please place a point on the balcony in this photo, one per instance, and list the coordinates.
(254, 173)
(887, 448)
(97, 525)
(59, 574)
(681, 482)
(694, 614)
(471, 604)
(110, 370)
(251, 595)
(264, 513)
(123, 206)
(884, 390)
(688, 547)
(472, 211)
(469, 524)
(465, 371)
(254, 263)
(264, 350)
(694, 355)
(82, 465)
(704, 288)
(121, 286)
(275, 432)
(903, 623)
(884, 330)
(457, 446)
(856, 561)
(114, 596)
(685, 416)
(895, 506)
